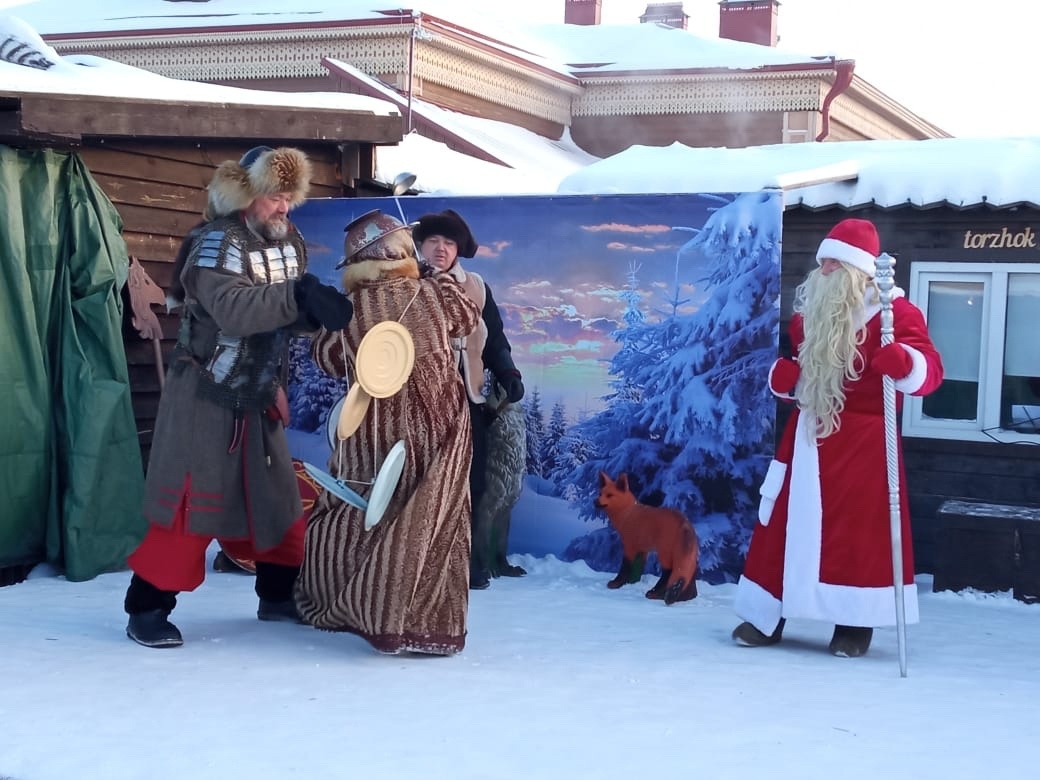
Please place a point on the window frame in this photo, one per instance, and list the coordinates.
(994, 279)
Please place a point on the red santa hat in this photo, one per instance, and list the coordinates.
(852, 241)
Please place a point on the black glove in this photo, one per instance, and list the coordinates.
(513, 385)
(322, 304)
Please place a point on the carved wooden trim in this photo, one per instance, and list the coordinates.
(700, 94)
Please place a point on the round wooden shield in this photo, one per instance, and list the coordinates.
(355, 404)
(385, 358)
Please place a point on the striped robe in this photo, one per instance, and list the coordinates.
(403, 585)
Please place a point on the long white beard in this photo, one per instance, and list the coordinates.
(829, 356)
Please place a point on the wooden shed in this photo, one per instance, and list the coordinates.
(154, 156)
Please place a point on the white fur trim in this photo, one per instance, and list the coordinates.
(770, 489)
(757, 606)
(847, 253)
(915, 380)
(804, 596)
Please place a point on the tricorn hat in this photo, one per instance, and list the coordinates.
(449, 224)
(260, 171)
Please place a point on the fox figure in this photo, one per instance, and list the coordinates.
(644, 529)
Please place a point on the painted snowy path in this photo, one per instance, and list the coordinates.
(561, 678)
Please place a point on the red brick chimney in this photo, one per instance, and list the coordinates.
(581, 11)
(671, 14)
(751, 21)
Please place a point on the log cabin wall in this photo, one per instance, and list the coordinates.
(936, 469)
(159, 190)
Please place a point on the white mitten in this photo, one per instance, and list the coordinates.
(770, 489)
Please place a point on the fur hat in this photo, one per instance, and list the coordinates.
(261, 171)
(852, 241)
(449, 224)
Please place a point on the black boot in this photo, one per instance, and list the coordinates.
(850, 641)
(748, 636)
(479, 577)
(274, 586)
(153, 629)
(149, 609)
(283, 611)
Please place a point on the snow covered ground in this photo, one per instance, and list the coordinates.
(560, 678)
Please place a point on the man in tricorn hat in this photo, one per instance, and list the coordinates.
(442, 239)
(219, 466)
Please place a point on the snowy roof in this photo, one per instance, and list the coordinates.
(513, 146)
(94, 76)
(1000, 172)
(609, 48)
(555, 46)
(961, 172)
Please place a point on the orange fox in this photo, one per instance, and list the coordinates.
(648, 528)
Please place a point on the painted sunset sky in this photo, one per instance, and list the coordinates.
(557, 266)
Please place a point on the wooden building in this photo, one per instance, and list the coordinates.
(680, 88)
(154, 157)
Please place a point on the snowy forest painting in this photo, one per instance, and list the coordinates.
(644, 327)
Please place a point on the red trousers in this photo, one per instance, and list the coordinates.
(174, 559)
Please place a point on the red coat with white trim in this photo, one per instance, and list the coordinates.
(823, 547)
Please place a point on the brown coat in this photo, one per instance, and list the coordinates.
(403, 585)
(250, 492)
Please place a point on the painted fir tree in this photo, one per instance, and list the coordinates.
(691, 423)
(534, 421)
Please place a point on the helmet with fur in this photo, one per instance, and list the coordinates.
(261, 171)
(377, 246)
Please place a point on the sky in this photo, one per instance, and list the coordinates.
(962, 66)
(560, 323)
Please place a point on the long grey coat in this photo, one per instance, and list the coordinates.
(251, 492)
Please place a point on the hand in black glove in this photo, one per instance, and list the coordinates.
(322, 304)
(513, 385)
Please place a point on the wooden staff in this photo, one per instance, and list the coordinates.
(885, 277)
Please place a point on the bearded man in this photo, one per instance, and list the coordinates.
(822, 548)
(220, 466)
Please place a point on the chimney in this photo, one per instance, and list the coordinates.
(750, 21)
(670, 14)
(581, 11)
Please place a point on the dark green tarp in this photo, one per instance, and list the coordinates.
(71, 479)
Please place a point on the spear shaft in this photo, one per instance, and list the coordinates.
(885, 277)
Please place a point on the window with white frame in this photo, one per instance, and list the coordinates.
(984, 318)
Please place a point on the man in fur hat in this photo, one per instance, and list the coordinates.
(442, 239)
(220, 466)
(822, 549)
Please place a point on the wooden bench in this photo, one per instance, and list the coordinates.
(989, 547)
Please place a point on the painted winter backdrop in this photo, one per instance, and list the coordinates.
(644, 327)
